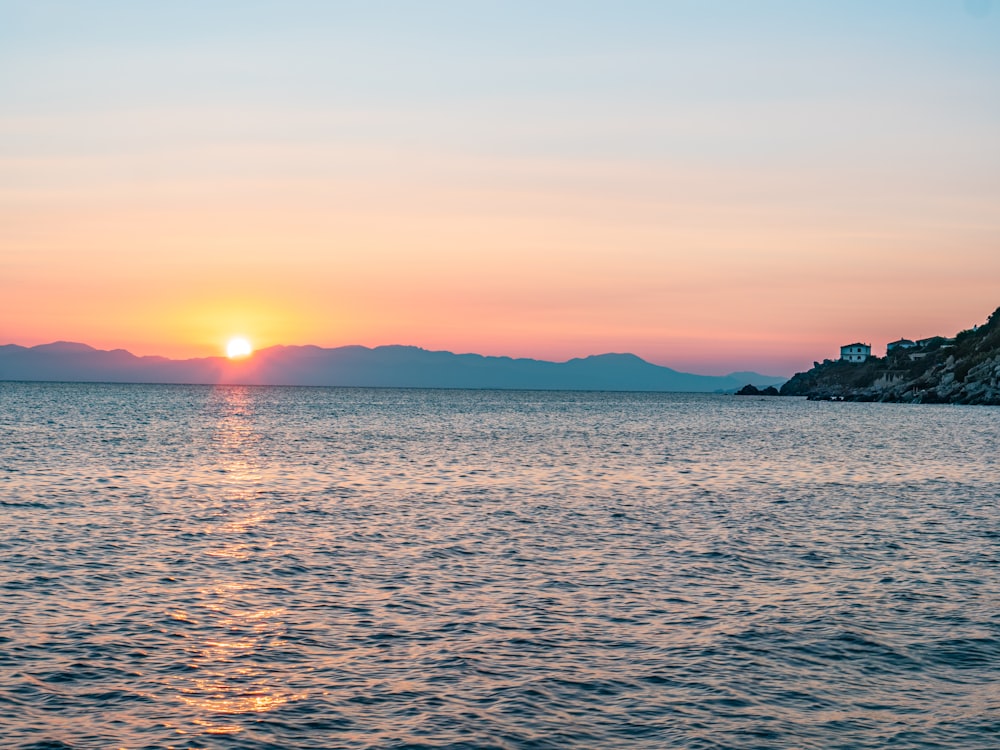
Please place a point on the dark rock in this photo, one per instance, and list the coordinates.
(752, 390)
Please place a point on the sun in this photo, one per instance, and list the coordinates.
(238, 347)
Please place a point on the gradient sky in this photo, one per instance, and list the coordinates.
(714, 186)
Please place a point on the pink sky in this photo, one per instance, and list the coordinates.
(712, 197)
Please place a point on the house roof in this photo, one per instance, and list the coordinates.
(856, 343)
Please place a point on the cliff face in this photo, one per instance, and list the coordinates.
(962, 370)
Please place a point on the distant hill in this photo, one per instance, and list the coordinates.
(964, 369)
(384, 366)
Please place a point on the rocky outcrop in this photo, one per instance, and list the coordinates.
(960, 370)
(751, 390)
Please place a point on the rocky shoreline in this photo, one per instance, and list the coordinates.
(964, 369)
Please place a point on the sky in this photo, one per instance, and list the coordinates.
(714, 186)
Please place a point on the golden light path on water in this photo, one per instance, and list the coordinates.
(231, 639)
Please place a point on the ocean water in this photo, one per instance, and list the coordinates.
(236, 567)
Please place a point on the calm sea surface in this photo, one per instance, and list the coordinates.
(232, 567)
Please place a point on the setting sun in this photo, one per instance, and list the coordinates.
(238, 347)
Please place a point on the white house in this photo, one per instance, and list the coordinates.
(855, 352)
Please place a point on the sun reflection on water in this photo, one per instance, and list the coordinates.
(231, 630)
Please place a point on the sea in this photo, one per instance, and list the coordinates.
(256, 567)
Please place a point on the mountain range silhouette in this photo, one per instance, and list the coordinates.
(383, 366)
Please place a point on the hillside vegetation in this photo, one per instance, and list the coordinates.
(960, 370)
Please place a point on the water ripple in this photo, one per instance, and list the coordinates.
(198, 567)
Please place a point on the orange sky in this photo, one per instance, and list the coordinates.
(549, 197)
